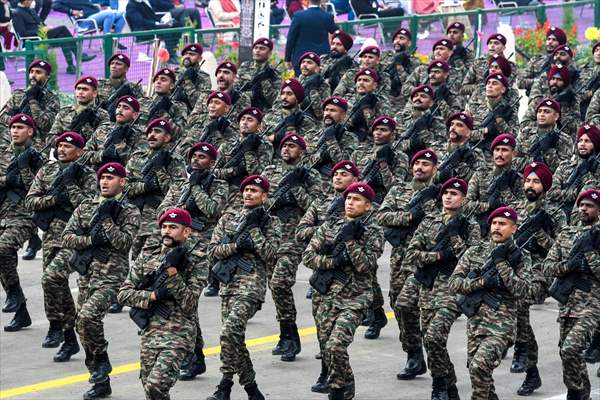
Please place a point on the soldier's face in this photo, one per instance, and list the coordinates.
(402, 42)
(337, 48)
(551, 43)
(369, 60)
(562, 57)
(191, 58)
(342, 179)
(20, 133)
(85, 94)
(201, 161)
(333, 114)
(157, 138)
(111, 185)
(382, 134)
(67, 152)
(556, 84)
(254, 196)
(503, 155)
(452, 199)
(494, 69)
(597, 55)
(163, 84)
(217, 108)
(456, 35)
(124, 113)
(423, 170)
(459, 132)
(532, 187)
(118, 69)
(585, 146)
(502, 229)
(494, 89)
(173, 234)
(437, 76)
(588, 211)
(356, 205)
(546, 117)
(288, 98)
(225, 79)
(261, 53)
(495, 47)
(248, 124)
(308, 67)
(441, 53)
(291, 152)
(422, 101)
(37, 76)
(365, 84)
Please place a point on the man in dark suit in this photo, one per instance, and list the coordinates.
(308, 32)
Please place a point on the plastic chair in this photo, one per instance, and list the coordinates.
(376, 25)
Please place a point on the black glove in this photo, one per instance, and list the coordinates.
(385, 153)
(492, 279)
(495, 201)
(14, 180)
(285, 199)
(197, 176)
(86, 116)
(447, 253)
(191, 74)
(403, 59)
(151, 184)
(442, 93)
(98, 236)
(110, 153)
(368, 101)
(578, 263)
(109, 208)
(62, 198)
(164, 104)
(162, 293)
(333, 132)
(416, 143)
(456, 225)
(162, 159)
(430, 193)
(255, 217)
(244, 243)
(301, 174)
(222, 124)
(34, 93)
(500, 253)
(342, 258)
(177, 257)
(358, 120)
(565, 97)
(416, 214)
(251, 143)
(72, 173)
(190, 205)
(425, 121)
(505, 112)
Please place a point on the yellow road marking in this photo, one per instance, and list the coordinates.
(133, 367)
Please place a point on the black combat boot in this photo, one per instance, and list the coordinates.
(294, 347)
(592, 354)
(14, 299)
(377, 323)
(321, 386)
(69, 347)
(336, 394)
(223, 390)
(193, 365)
(309, 292)
(283, 339)
(115, 308)
(20, 320)
(368, 317)
(573, 394)
(98, 391)
(439, 389)
(212, 289)
(415, 365)
(55, 336)
(531, 383)
(453, 392)
(102, 368)
(253, 392)
(34, 245)
(519, 363)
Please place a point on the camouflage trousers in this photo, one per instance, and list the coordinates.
(92, 306)
(525, 333)
(336, 327)
(436, 325)
(13, 233)
(484, 354)
(406, 305)
(575, 337)
(378, 301)
(282, 279)
(160, 368)
(58, 301)
(236, 311)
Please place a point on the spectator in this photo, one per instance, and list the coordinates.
(85, 9)
(179, 12)
(27, 23)
(5, 24)
(225, 13)
(42, 8)
(277, 16)
(362, 7)
(308, 32)
(293, 6)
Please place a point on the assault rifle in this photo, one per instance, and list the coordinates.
(110, 104)
(425, 121)
(14, 190)
(592, 87)
(334, 72)
(250, 143)
(267, 73)
(295, 119)
(356, 116)
(505, 181)
(575, 180)
(402, 59)
(203, 179)
(504, 111)
(31, 93)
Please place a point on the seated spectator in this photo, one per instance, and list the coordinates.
(225, 13)
(362, 7)
(178, 12)
(277, 16)
(5, 25)
(27, 23)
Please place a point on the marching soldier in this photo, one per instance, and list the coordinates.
(576, 255)
(152, 171)
(497, 64)
(462, 57)
(116, 85)
(100, 232)
(437, 244)
(345, 249)
(19, 162)
(592, 115)
(194, 81)
(292, 189)
(58, 188)
(253, 237)
(370, 57)
(169, 277)
(444, 94)
(338, 61)
(315, 86)
(589, 79)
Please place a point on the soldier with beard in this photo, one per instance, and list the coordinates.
(338, 61)
(462, 58)
(118, 65)
(563, 55)
(195, 81)
(539, 65)
(315, 86)
(370, 57)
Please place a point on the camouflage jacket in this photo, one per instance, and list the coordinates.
(324, 153)
(382, 107)
(94, 147)
(63, 122)
(268, 88)
(192, 91)
(330, 76)
(12, 209)
(478, 195)
(320, 210)
(202, 131)
(420, 76)
(474, 160)
(43, 113)
(434, 137)
(477, 73)
(347, 85)
(530, 138)
(315, 94)
(592, 116)
(532, 71)
(588, 77)
(570, 112)
(108, 86)
(480, 106)
(200, 109)
(308, 128)
(176, 114)
(398, 75)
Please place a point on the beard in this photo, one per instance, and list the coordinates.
(531, 195)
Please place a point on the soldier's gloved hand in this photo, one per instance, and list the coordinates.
(447, 253)
(34, 93)
(385, 153)
(369, 100)
(300, 174)
(235, 95)
(442, 92)
(285, 199)
(162, 159)
(255, 217)
(565, 97)
(98, 236)
(62, 198)
(495, 201)
(177, 257)
(191, 74)
(416, 213)
(492, 279)
(415, 143)
(342, 258)
(333, 132)
(162, 293)
(88, 115)
(151, 184)
(251, 142)
(110, 153)
(456, 225)
(358, 119)
(244, 243)
(505, 112)
(500, 253)
(109, 208)
(14, 180)
(146, 281)
(578, 263)
(196, 176)
(72, 173)
(164, 104)
(191, 206)
(222, 124)
(492, 130)
(347, 232)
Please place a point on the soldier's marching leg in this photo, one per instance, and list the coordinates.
(33, 246)
(10, 241)
(411, 333)
(212, 289)
(526, 338)
(592, 354)
(524, 331)
(55, 335)
(485, 355)
(194, 363)
(379, 319)
(163, 372)
(321, 385)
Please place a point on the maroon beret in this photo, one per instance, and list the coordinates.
(504, 212)
(336, 101)
(456, 25)
(121, 58)
(370, 50)
(402, 31)
(461, 116)
(223, 96)
(426, 154)
(73, 138)
(256, 180)
(561, 71)
(159, 123)
(294, 138)
(499, 77)
(368, 72)
(441, 64)
(593, 132)
(443, 42)
(205, 148)
(112, 168)
(311, 55)
(497, 36)
(131, 101)
(227, 65)
(592, 194)
(169, 73)
(43, 64)
(564, 47)
(296, 87)
(558, 33)
(193, 47)
(176, 215)
(386, 120)
(361, 188)
(502, 62)
(595, 47)
(252, 111)
(87, 80)
(264, 42)
(455, 183)
(428, 90)
(542, 171)
(346, 165)
(550, 103)
(504, 139)
(345, 38)
(23, 119)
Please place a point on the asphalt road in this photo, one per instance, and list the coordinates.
(28, 372)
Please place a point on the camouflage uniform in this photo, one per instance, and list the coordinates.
(347, 85)
(593, 112)
(243, 296)
(382, 107)
(192, 91)
(434, 137)
(200, 109)
(421, 75)
(477, 73)
(316, 93)
(578, 318)
(570, 113)
(533, 70)
(165, 342)
(176, 114)
(108, 86)
(308, 129)
(466, 166)
(490, 332)
(94, 147)
(559, 151)
(480, 106)
(64, 118)
(588, 78)
(268, 88)
(398, 101)
(343, 307)
(173, 174)
(334, 77)
(199, 132)
(324, 152)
